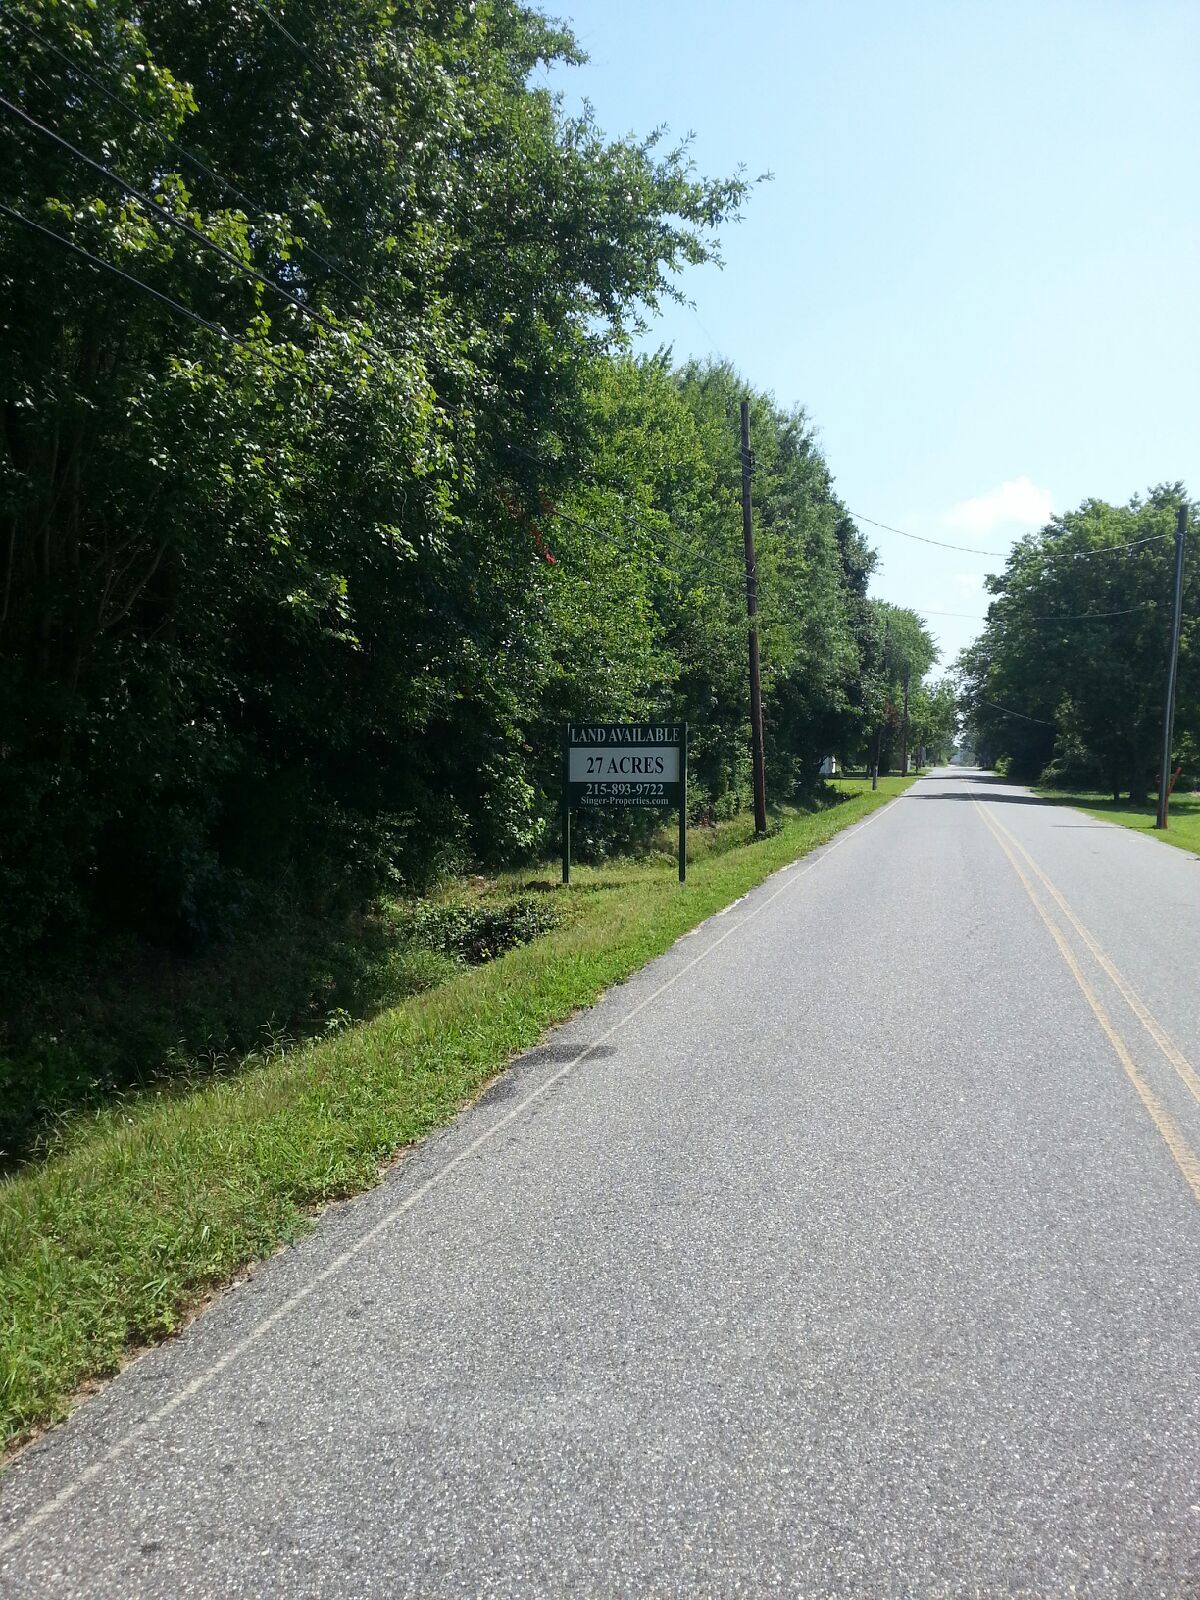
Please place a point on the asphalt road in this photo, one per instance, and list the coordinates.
(852, 1248)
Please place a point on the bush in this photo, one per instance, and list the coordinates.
(482, 931)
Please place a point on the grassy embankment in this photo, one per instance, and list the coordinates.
(1184, 829)
(143, 1205)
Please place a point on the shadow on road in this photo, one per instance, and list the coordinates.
(988, 785)
(987, 799)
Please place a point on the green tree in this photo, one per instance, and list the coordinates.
(273, 606)
(1069, 673)
(901, 654)
(933, 719)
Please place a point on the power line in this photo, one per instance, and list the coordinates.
(1109, 549)
(705, 566)
(708, 334)
(81, 71)
(160, 213)
(128, 277)
(925, 611)
(554, 512)
(290, 37)
(1008, 712)
(255, 207)
(462, 223)
(1083, 616)
(969, 549)
(973, 550)
(1070, 616)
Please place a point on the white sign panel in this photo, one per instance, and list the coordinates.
(614, 764)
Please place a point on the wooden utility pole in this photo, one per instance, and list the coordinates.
(1164, 771)
(756, 723)
(904, 736)
(887, 640)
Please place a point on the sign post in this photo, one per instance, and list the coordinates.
(566, 807)
(683, 803)
(626, 765)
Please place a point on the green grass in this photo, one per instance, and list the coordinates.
(146, 1204)
(1184, 829)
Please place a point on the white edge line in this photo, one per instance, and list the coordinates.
(66, 1494)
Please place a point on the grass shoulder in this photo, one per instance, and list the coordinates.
(144, 1205)
(1184, 829)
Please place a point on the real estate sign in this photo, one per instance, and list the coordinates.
(628, 765)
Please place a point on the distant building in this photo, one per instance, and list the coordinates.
(829, 767)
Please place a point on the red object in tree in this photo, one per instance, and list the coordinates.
(543, 548)
(540, 545)
(519, 514)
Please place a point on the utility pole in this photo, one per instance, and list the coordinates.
(756, 723)
(904, 735)
(1164, 774)
(887, 639)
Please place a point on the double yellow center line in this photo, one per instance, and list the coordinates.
(1184, 1156)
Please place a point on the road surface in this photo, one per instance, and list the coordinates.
(852, 1248)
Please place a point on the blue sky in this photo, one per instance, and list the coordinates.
(977, 264)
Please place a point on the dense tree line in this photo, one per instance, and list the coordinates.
(317, 523)
(909, 716)
(1068, 678)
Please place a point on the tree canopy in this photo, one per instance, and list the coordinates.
(328, 485)
(1069, 674)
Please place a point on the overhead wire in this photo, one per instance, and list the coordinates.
(290, 37)
(921, 539)
(1084, 616)
(1108, 549)
(256, 208)
(160, 214)
(1070, 616)
(1078, 616)
(1009, 712)
(118, 272)
(460, 222)
(974, 550)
